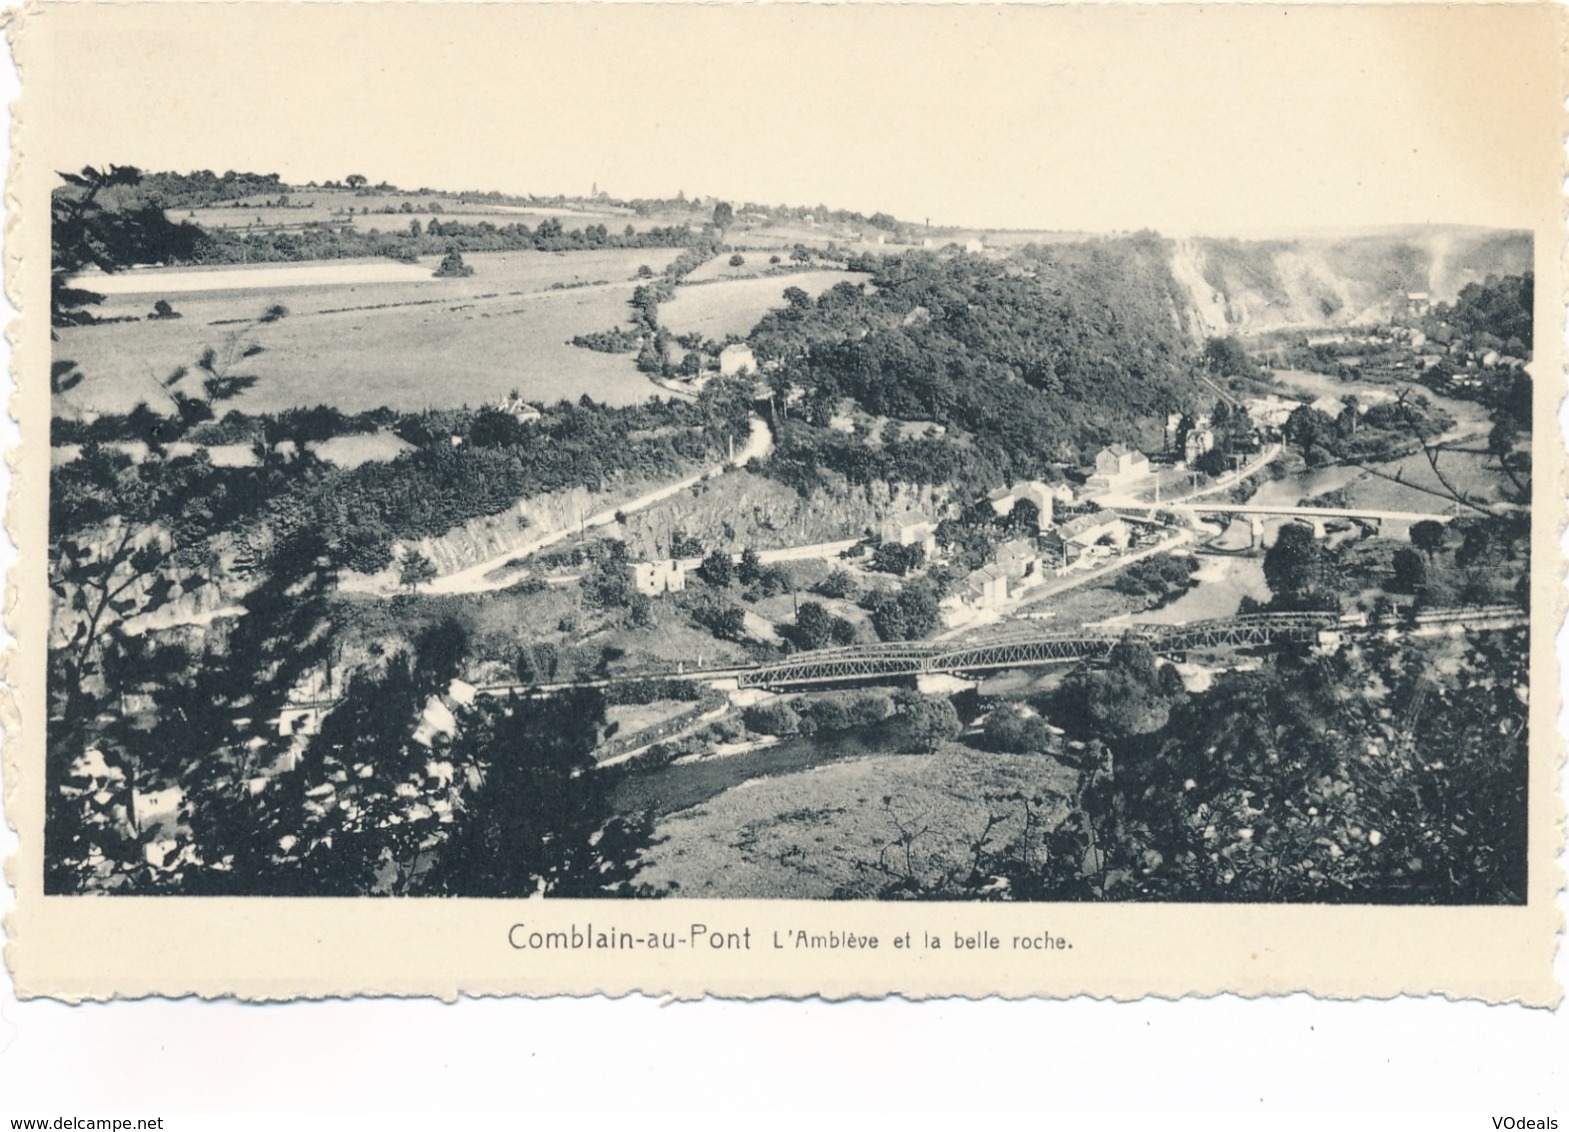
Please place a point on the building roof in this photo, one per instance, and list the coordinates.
(908, 518)
(1084, 524)
(979, 578)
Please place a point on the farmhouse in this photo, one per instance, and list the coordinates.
(1119, 466)
(1018, 558)
(1070, 540)
(910, 528)
(736, 358)
(1331, 407)
(986, 588)
(519, 409)
(1271, 411)
(1001, 500)
(655, 578)
(1004, 499)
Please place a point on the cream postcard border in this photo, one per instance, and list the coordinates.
(86, 947)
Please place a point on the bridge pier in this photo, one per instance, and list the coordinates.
(1256, 532)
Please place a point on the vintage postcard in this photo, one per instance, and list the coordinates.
(842, 500)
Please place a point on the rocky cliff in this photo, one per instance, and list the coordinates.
(1243, 286)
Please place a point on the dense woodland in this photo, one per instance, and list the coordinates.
(1031, 364)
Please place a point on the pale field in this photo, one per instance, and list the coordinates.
(819, 833)
(332, 207)
(717, 310)
(433, 343)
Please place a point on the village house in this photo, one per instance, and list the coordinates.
(1197, 442)
(986, 588)
(974, 247)
(1004, 499)
(1119, 466)
(1271, 411)
(655, 578)
(1331, 407)
(517, 408)
(910, 528)
(1019, 559)
(736, 358)
(1068, 541)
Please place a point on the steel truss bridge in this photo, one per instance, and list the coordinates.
(1023, 649)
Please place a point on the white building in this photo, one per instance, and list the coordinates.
(986, 588)
(1198, 442)
(1119, 466)
(736, 358)
(1018, 558)
(655, 578)
(910, 528)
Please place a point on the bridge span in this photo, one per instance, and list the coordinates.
(1024, 648)
(1287, 511)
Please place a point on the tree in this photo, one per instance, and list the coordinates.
(98, 219)
(1294, 568)
(717, 569)
(925, 722)
(1427, 535)
(1410, 570)
(737, 260)
(1025, 516)
(724, 216)
(907, 614)
(1227, 357)
(750, 568)
(453, 267)
(840, 583)
(1130, 695)
(1013, 730)
(355, 181)
(893, 558)
(813, 625)
(541, 823)
(415, 570)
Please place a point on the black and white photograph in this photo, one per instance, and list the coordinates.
(793, 503)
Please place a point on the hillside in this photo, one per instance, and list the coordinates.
(1261, 285)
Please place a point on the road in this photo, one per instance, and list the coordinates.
(478, 578)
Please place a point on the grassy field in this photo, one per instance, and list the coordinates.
(734, 306)
(365, 212)
(409, 343)
(825, 832)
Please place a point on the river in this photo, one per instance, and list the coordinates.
(1223, 581)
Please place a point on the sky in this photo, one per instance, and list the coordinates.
(1216, 119)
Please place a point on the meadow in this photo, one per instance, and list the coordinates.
(408, 342)
(366, 211)
(832, 831)
(733, 306)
